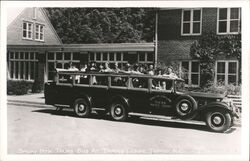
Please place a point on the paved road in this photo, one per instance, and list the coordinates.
(37, 128)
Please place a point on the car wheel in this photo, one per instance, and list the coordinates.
(218, 120)
(81, 108)
(118, 111)
(185, 107)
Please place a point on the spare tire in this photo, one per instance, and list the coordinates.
(185, 107)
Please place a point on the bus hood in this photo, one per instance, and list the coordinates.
(206, 95)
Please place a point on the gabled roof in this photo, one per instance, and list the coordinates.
(14, 36)
(48, 20)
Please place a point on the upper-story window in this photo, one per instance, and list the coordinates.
(27, 30)
(39, 32)
(191, 22)
(228, 21)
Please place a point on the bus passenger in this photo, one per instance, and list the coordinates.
(159, 72)
(107, 68)
(116, 69)
(83, 68)
(92, 67)
(151, 70)
(73, 67)
(170, 73)
(142, 69)
(101, 69)
(83, 79)
(163, 87)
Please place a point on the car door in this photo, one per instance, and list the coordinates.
(138, 94)
(161, 96)
(99, 90)
(64, 89)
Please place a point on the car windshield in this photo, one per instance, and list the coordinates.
(180, 86)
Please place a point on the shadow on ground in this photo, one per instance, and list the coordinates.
(135, 120)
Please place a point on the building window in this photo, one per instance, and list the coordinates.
(145, 57)
(191, 22)
(27, 30)
(39, 32)
(61, 60)
(228, 21)
(226, 72)
(23, 65)
(190, 72)
(111, 57)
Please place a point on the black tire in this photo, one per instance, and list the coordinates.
(218, 120)
(118, 111)
(81, 107)
(185, 107)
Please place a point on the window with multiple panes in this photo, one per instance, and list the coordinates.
(111, 57)
(27, 30)
(30, 27)
(228, 21)
(22, 65)
(191, 22)
(190, 72)
(226, 72)
(39, 32)
(61, 60)
(145, 57)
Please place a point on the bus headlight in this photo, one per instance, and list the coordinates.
(228, 101)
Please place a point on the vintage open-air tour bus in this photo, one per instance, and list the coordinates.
(127, 94)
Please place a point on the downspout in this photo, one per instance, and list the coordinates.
(156, 38)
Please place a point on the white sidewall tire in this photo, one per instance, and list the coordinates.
(218, 120)
(82, 108)
(190, 111)
(118, 111)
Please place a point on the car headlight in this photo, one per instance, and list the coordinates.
(228, 101)
(231, 106)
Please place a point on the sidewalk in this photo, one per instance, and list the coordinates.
(37, 98)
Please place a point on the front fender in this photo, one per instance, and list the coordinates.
(86, 97)
(211, 105)
(120, 98)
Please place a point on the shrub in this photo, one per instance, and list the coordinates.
(18, 87)
(37, 86)
(223, 89)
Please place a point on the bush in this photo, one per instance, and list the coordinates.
(223, 89)
(37, 86)
(18, 87)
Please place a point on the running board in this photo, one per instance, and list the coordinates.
(150, 115)
(169, 118)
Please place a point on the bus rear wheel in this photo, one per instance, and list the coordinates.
(81, 107)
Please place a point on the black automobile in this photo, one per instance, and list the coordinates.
(126, 94)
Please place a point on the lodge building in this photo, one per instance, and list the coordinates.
(34, 49)
(178, 28)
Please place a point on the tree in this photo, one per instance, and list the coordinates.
(103, 25)
(209, 47)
